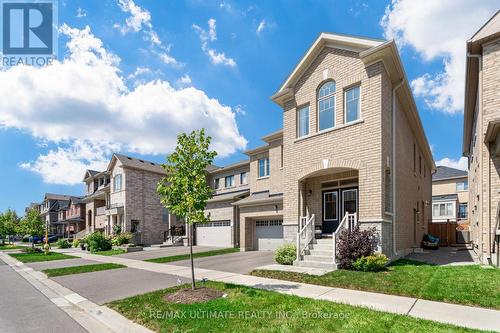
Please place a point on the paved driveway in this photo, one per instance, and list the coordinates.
(241, 262)
(446, 256)
(40, 266)
(166, 252)
(105, 286)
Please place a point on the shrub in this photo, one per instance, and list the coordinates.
(121, 239)
(373, 263)
(76, 242)
(355, 244)
(286, 254)
(63, 243)
(32, 250)
(96, 241)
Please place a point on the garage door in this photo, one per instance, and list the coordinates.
(269, 234)
(217, 233)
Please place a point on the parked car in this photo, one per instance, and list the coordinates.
(52, 238)
(35, 239)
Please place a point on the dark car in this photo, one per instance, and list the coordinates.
(52, 238)
(35, 239)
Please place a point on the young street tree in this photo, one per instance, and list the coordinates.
(32, 224)
(9, 224)
(184, 190)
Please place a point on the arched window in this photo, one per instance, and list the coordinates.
(326, 106)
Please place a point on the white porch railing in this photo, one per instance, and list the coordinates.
(305, 235)
(349, 221)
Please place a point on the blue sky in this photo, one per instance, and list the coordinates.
(206, 63)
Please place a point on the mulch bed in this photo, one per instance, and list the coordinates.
(189, 296)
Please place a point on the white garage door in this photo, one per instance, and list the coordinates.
(269, 234)
(217, 233)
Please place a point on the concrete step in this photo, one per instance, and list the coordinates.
(316, 252)
(316, 264)
(326, 259)
(323, 241)
(322, 247)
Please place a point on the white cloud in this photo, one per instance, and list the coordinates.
(185, 80)
(209, 36)
(80, 12)
(461, 163)
(261, 27)
(438, 30)
(83, 101)
(66, 165)
(140, 20)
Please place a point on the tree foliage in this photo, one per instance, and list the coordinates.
(184, 190)
(9, 223)
(32, 224)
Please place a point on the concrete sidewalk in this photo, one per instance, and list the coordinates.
(92, 317)
(460, 315)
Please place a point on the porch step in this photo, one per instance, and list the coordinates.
(323, 247)
(316, 264)
(319, 252)
(315, 258)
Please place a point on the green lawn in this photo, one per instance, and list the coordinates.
(253, 310)
(195, 255)
(80, 269)
(35, 257)
(7, 247)
(470, 285)
(113, 252)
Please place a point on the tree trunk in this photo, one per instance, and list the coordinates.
(191, 255)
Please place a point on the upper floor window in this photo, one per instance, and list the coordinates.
(445, 209)
(462, 186)
(229, 181)
(117, 183)
(326, 106)
(462, 211)
(303, 121)
(352, 105)
(243, 178)
(264, 167)
(217, 183)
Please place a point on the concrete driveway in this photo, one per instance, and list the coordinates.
(106, 286)
(40, 266)
(241, 262)
(446, 256)
(166, 252)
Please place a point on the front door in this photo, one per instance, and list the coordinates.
(330, 211)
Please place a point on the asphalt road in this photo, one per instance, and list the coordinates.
(24, 309)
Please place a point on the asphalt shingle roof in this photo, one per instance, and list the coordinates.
(444, 172)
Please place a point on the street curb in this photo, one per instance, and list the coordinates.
(92, 317)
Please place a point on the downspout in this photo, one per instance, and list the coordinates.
(394, 210)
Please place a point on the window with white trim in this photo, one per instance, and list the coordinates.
(443, 210)
(352, 104)
(462, 186)
(303, 121)
(229, 181)
(243, 178)
(326, 106)
(263, 167)
(117, 183)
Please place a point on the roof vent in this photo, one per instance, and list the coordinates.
(152, 163)
(130, 158)
(141, 161)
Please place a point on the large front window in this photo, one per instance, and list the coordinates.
(352, 107)
(303, 121)
(326, 106)
(263, 167)
(440, 210)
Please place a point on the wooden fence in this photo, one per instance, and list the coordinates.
(450, 232)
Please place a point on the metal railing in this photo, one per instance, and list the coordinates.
(349, 221)
(305, 235)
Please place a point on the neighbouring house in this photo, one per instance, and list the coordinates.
(50, 208)
(230, 183)
(481, 139)
(71, 218)
(352, 150)
(450, 195)
(97, 192)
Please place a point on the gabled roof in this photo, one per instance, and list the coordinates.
(347, 42)
(488, 32)
(231, 166)
(444, 172)
(135, 163)
(92, 174)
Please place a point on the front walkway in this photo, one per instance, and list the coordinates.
(467, 316)
(446, 256)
